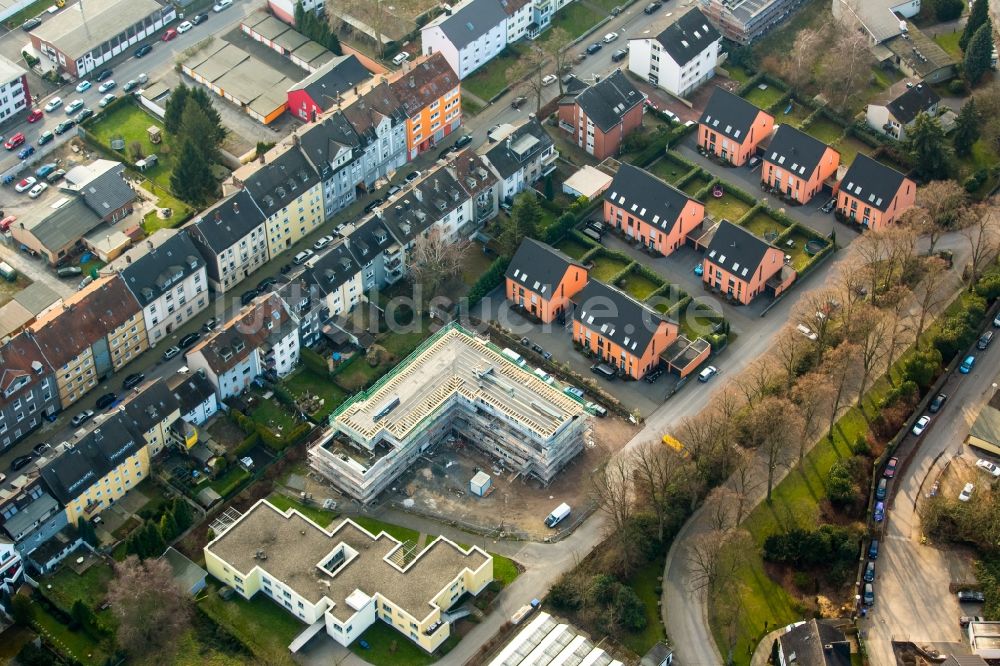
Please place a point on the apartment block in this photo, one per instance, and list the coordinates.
(746, 21)
(29, 392)
(600, 116)
(232, 238)
(15, 96)
(521, 158)
(679, 59)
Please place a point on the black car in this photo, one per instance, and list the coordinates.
(937, 403)
(446, 152)
(133, 380)
(594, 48)
(537, 348)
(65, 126)
(619, 55)
(463, 141)
(209, 325)
(518, 102)
(285, 269)
(266, 284)
(31, 24)
(651, 377)
(105, 401)
(971, 596)
(189, 340)
(651, 7)
(141, 51)
(104, 74)
(199, 19)
(84, 114)
(373, 204)
(21, 462)
(39, 449)
(245, 298)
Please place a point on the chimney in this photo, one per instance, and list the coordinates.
(149, 244)
(261, 159)
(236, 207)
(218, 216)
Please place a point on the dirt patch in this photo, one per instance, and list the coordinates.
(9, 289)
(225, 432)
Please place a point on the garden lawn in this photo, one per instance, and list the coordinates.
(305, 380)
(825, 130)
(504, 570)
(226, 484)
(760, 223)
(606, 267)
(357, 373)
(645, 582)
(778, 42)
(272, 415)
(130, 122)
(575, 18)
(949, 42)
(402, 343)
(638, 286)
(981, 157)
(69, 586)
(572, 247)
(696, 184)
(470, 106)
(263, 626)
(491, 79)
(321, 517)
(849, 147)
(474, 264)
(794, 117)
(670, 169)
(798, 253)
(764, 98)
(180, 211)
(726, 207)
(737, 73)
(374, 525)
(388, 647)
(78, 644)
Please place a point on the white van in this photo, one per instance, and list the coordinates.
(544, 376)
(400, 58)
(513, 356)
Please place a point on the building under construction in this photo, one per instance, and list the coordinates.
(454, 385)
(746, 21)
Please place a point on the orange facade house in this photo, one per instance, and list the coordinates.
(600, 116)
(743, 266)
(797, 165)
(541, 280)
(874, 195)
(731, 128)
(649, 210)
(430, 92)
(620, 331)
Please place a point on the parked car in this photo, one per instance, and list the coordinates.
(446, 152)
(966, 620)
(26, 152)
(753, 162)
(996, 321)
(412, 176)
(25, 184)
(44, 170)
(199, 19)
(462, 141)
(966, 493)
(322, 242)
(937, 403)
(83, 115)
(988, 466)
(829, 206)
(209, 325)
(169, 34)
(870, 571)
(221, 5)
(171, 352)
(882, 489)
(37, 190)
(184, 27)
(106, 400)
(604, 370)
(610, 37)
(45, 137)
(393, 190)
(967, 364)
(21, 462)
(55, 176)
(699, 270)
(920, 425)
(133, 380)
(573, 391)
(84, 86)
(594, 48)
(35, 115)
(971, 595)
(31, 24)
(106, 86)
(873, 549)
(879, 513)
(890, 467)
(130, 85)
(266, 284)
(869, 595)
(984, 340)
(103, 74)
(619, 55)
(143, 50)
(14, 141)
(69, 271)
(82, 417)
(518, 102)
(53, 104)
(651, 8)
(707, 373)
(65, 126)
(107, 99)
(302, 257)
(400, 58)
(549, 79)
(652, 376)
(807, 332)
(537, 348)
(39, 449)
(189, 340)
(247, 296)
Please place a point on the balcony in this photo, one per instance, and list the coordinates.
(394, 263)
(394, 276)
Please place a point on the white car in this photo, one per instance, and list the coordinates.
(966, 493)
(920, 425)
(986, 465)
(549, 79)
(106, 86)
(184, 27)
(53, 104)
(37, 190)
(707, 373)
(322, 242)
(74, 106)
(25, 184)
(83, 86)
(107, 99)
(610, 37)
(806, 331)
(221, 5)
(400, 58)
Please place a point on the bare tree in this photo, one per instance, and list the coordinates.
(526, 74)
(744, 481)
(556, 46)
(979, 226)
(152, 610)
(659, 473)
(376, 14)
(813, 311)
(884, 256)
(938, 206)
(932, 292)
(869, 335)
(813, 395)
(434, 260)
(758, 379)
(804, 56)
(841, 369)
(790, 349)
(613, 490)
(772, 426)
(897, 303)
(714, 557)
(847, 64)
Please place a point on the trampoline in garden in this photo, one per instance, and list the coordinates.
(769, 236)
(717, 191)
(815, 247)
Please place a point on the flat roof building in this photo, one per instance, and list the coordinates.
(454, 384)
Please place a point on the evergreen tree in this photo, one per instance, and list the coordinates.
(550, 191)
(82, 615)
(966, 128)
(21, 610)
(182, 514)
(155, 540)
(201, 97)
(197, 126)
(977, 17)
(175, 109)
(86, 531)
(979, 54)
(929, 148)
(192, 179)
(168, 526)
(948, 10)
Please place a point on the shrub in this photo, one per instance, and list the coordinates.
(564, 594)
(958, 87)
(840, 486)
(628, 610)
(314, 362)
(489, 280)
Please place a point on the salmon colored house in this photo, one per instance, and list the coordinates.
(620, 330)
(797, 165)
(731, 128)
(541, 280)
(649, 210)
(743, 266)
(874, 195)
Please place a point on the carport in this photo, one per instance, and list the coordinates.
(683, 356)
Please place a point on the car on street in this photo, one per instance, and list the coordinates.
(400, 58)
(266, 284)
(184, 27)
(247, 296)
(966, 493)
(31, 24)
(699, 270)
(169, 34)
(302, 257)
(870, 571)
(199, 19)
(65, 126)
(989, 467)
(651, 8)
(446, 152)
(74, 106)
(103, 74)
(518, 102)
(967, 364)
(869, 595)
(21, 462)
(619, 55)
(222, 5)
(973, 596)
(53, 104)
(890, 467)
(753, 162)
(879, 513)
(130, 85)
(133, 380)
(44, 170)
(604, 370)
(106, 86)
(393, 190)
(707, 373)
(882, 489)
(873, 549)
(322, 242)
(171, 352)
(83, 115)
(537, 348)
(25, 184)
(39, 449)
(373, 204)
(143, 50)
(84, 86)
(69, 271)
(35, 115)
(45, 137)
(209, 325)
(549, 79)
(107, 99)
(937, 403)
(594, 48)
(996, 321)
(14, 141)
(984, 340)
(806, 332)
(26, 152)
(37, 190)
(106, 400)
(412, 176)
(920, 425)
(462, 141)
(189, 340)
(828, 206)
(610, 37)
(55, 176)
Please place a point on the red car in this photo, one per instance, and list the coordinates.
(890, 467)
(7, 221)
(14, 141)
(169, 34)
(35, 116)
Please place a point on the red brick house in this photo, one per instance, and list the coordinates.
(874, 195)
(797, 165)
(742, 266)
(321, 90)
(602, 115)
(649, 210)
(731, 128)
(542, 280)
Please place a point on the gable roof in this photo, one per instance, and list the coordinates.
(332, 269)
(369, 239)
(539, 267)
(230, 344)
(228, 221)
(871, 182)
(22, 366)
(281, 181)
(729, 114)
(62, 223)
(423, 83)
(646, 197)
(154, 273)
(617, 316)
(335, 77)
(686, 38)
(795, 151)
(190, 390)
(816, 643)
(736, 250)
(108, 192)
(911, 103)
(471, 21)
(148, 405)
(519, 148)
(607, 101)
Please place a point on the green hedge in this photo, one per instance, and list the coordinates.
(690, 175)
(488, 281)
(248, 443)
(314, 362)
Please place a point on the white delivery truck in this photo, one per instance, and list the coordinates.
(556, 516)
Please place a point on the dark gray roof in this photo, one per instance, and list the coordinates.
(335, 77)
(911, 103)
(736, 250)
(63, 226)
(521, 147)
(686, 38)
(332, 269)
(539, 267)
(369, 240)
(809, 643)
(729, 114)
(608, 100)
(98, 452)
(795, 151)
(228, 221)
(873, 183)
(617, 316)
(423, 204)
(281, 181)
(21, 523)
(191, 391)
(160, 269)
(149, 407)
(322, 141)
(646, 197)
(573, 85)
(108, 192)
(186, 573)
(472, 21)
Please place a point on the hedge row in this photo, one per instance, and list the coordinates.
(489, 280)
